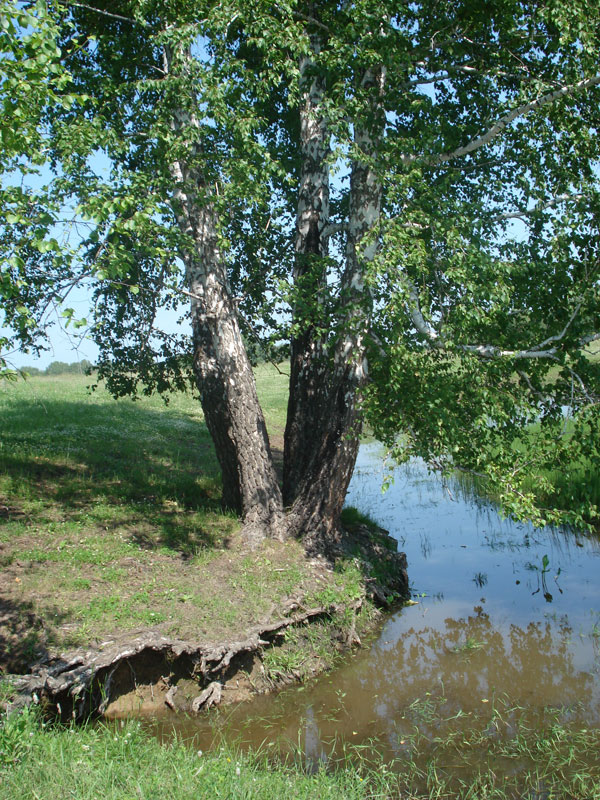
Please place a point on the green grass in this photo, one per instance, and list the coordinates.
(346, 586)
(110, 522)
(468, 646)
(302, 650)
(41, 762)
(110, 517)
(575, 485)
(96, 453)
(578, 486)
(568, 495)
(123, 764)
(352, 517)
(272, 385)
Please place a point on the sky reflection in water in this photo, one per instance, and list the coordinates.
(491, 626)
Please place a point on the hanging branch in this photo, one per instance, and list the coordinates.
(503, 122)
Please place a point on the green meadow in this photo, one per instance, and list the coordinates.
(110, 521)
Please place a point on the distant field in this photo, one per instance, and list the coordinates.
(594, 350)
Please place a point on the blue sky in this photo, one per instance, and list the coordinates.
(69, 344)
(72, 345)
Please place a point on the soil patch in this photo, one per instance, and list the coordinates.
(143, 670)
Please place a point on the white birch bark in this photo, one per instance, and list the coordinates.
(308, 367)
(324, 481)
(224, 374)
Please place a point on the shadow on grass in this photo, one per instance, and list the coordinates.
(23, 637)
(116, 463)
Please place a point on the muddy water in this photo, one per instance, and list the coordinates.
(507, 623)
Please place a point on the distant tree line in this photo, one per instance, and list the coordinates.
(61, 368)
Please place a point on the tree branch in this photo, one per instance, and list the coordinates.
(592, 337)
(110, 14)
(424, 327)
(312, 20)
(561, 335)
(502, 123)
(528, 212)
(466, 69)
(574, 376)
(490, 351)
(538, 351)
(524, 377)
(334, 229)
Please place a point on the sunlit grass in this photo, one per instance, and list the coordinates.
(572, 487)
(110, 514)
(272, 385)
(495, 760)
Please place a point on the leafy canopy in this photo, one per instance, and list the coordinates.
(482, 300)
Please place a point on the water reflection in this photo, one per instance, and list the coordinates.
(507, 618)
(446, 673)
(473, 660)
(450, 536)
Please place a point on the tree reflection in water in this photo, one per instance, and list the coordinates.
(457, 667)
(432, 681)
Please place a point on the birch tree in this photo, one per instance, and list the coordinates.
(407, 193)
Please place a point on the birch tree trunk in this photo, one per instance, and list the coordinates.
(308, 364)
(326, 426)
(328, 356)
(223, 372)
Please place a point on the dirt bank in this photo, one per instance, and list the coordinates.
(300, 635)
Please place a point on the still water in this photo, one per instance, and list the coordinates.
(506, 618)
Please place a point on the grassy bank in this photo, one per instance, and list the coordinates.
(40, 762)
(110, 523)
(577, 486)
(577, 483)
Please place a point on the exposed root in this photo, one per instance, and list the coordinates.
(211, 696)
(87, 683)
(190, 675)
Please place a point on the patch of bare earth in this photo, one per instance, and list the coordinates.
(214, 595)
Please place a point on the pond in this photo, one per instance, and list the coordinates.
(505, 632)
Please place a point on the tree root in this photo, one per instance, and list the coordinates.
(89, 681)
